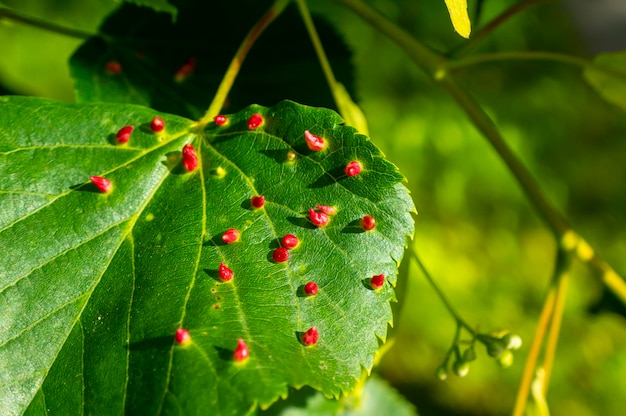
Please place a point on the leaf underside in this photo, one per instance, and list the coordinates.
(143, 57)
(93, 286)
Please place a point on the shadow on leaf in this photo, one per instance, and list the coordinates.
(152, 344)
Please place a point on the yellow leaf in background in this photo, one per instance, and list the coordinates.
(460, 18)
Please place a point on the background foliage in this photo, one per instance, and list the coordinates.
(475, 230)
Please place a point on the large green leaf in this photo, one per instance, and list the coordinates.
(177, 66)
(94, 285)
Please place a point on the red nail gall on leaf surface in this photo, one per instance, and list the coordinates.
(320, 219)
(241, 353)
(103, 184)
(190, 159)
(280, 255)
(289, 241)
(368, 223)
(185, 70)
(157, 125)
(311, 289)
(230, 236)
(353, 168)
(182, 336)
(113, 67)
(224, 273)
(255, 121)
(310, 337)
(328, 210)
(220, 120)
(377, 281)
(123, 135)
(257, 201)
(313, 142)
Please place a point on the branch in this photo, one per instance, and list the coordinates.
(435, 65)
(42, 24)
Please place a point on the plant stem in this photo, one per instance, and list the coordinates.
(319, 49)
(42, 24)
(523, 56)
(553, 310)
(533, 353)
(425, 58)
(233, 69)
(562, 280)
(435, 65)
(485, 31)
(460, 321)
(487, 127)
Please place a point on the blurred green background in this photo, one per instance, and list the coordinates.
(475, 230)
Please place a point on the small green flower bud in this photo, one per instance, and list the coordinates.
(461, 368)
(505, 359)
(495, 347)
(512, 341)
(469, 355)
(441, 373)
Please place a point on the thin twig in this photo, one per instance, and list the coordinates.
(533, 353)
(460, 321)
(233, 69)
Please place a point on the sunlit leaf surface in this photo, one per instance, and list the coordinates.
(94, 285)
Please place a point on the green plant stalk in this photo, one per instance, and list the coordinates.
(555, 326)
(552, 318)
(533, 353)
(460, 321)
(233, 69)
(436, 66)
(42, 24)
(486, 30)
(319, 49)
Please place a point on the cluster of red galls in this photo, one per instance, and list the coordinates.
(319, 216)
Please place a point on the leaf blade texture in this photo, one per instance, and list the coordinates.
(94, 285)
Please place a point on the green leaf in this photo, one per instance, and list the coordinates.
(608, 76)
(93, 286)
(377, 398)
(176, 67)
